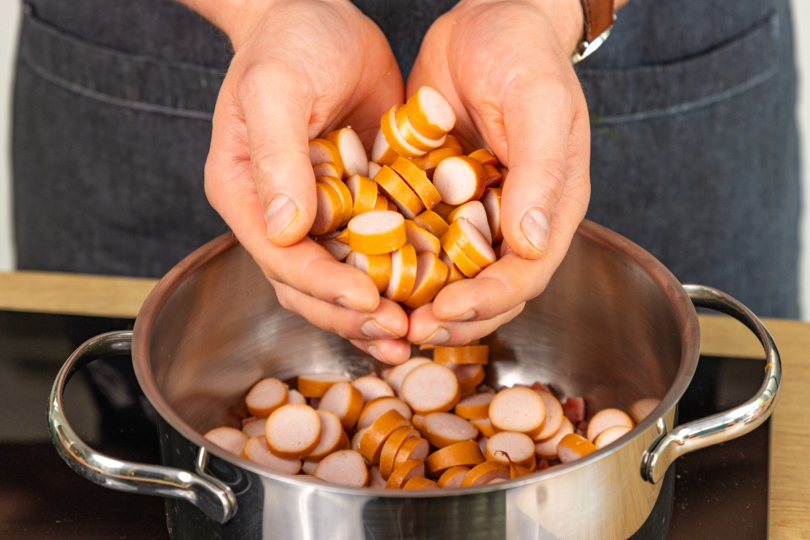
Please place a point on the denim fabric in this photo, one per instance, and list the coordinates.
(694, 145)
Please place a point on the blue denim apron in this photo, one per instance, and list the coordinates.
(694, 143)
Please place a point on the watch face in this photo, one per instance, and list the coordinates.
(585, 49)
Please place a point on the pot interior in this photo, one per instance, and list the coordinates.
(610, 327)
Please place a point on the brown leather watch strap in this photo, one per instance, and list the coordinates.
(598, 17)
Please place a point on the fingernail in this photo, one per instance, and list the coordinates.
(373, 330)
(374, 351)
(535, 227)
(280, 213)
(439, 336)
(466, 317)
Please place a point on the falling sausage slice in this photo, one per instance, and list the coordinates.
(323, 151)
(381, 152)
(453, 273)
(372, 388)
(391, 448)
(403, 274)
(510, 447)
(403, 473)
(379, 406)
(377, 267)
(484, 425)
(422, 240)
(344, 194)
(256, 451)
(607, 418)
(418, 181)
(573, 447)
(315, 385)
(547, 449)
(492, 206)
(352, 152)
(430, 113)
(401, 371)
(469, 376)
(642, 408)
(265, 397)
(462, 454)
(484, 157)
(293, 431)
(517, 409)
(466, 236)
(254, 428)
(364, 194)
(413, 137)
(431, 160)
(343, 468)
(485, 473)
(376, 480)
(444, 429)
(229, 439)
(412, 448)
(329, 209)
(431, 388)
(332, 438)
(452, 477)
(554, 416)
(492, 176)
(469, 354)
(432, 223)
(327, 168)
(475, 213)
(388, 125)
(345, 401)
(610, 435)
(420, 482)
(574, 409)
(431, 275)
(377, 232)
(475, 407)
(459, 179)
(372, 441)
(399, 192)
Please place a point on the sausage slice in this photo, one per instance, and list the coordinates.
(265, 397)
(256, 451)
(293, 431)
(343, 468)
(377, 232)
(227, 438)
(431, 388)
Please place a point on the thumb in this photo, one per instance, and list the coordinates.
(276, 120)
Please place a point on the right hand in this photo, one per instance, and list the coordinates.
(301, 68)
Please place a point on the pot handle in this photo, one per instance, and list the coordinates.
(214, 498)
(726, 425)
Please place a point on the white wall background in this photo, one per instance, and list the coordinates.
(9, 19)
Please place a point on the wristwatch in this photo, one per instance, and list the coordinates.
(599, 19)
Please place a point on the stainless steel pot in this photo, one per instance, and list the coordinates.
(613, 325)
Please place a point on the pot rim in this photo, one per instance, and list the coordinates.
(684, 312)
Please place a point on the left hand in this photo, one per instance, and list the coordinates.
(505, 68)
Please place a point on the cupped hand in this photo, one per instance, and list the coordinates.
(301, 68)
(505, 68)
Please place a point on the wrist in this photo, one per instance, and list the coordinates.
(568, 20)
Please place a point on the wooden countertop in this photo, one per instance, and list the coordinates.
(721, 336)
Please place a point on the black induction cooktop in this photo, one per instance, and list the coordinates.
(720, 492)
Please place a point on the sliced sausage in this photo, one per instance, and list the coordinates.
(346, 203)
(431, 160)
(475, 213)
(431, 388)
(517, 409)
(327, 168)
(420, 482)
(345, 401)
(372, 388)
(401, 371)
(265, 397)
(466, 236)
(388, 125)
(382, 203)
(308, 467)
(444, 429)
(469, 376)
(411, 135)
(574, 409)
(333, 437)
(315, 385)
(492, 176)
(554, 416)
(547, 449)
(256, 451)
(516, 471)
(229, 439)
(391, 448)
(418, 181)
(379, 406)
(399, 192)
(453, 272)
(372, 441)
(412, 448)
(607, 418)
(484, 425)
(642, 408)
(352, 152)
(376, 480)
(459, 179)
(510, 447)
(452, 142)
(430, 113)
(492, 206)
(485, 473)
(460, 260)
(468, 354)
(452, 477)
(355, 442)
(422, 240)
(343, 468)
(364, 194)
(377, 232)
(381, 152)
(482, 444)
(431, 275)
(293, 431)
(329, 210)
(374, 167)
(323, 151)
(403, 473)
(337, 249)
(294, 396)
(610, 435)
(418, 421)
(433, 223)
(475, 406)
(573, 447)
(461, 454)
(403, 274)
(254, 427)
(377, 267)
(484, 157)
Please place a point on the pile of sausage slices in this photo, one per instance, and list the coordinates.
(419, 215)
(426, 424)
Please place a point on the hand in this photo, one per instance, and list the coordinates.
(505, 68)
(301, 68)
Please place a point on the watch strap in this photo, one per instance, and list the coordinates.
(598, 18)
